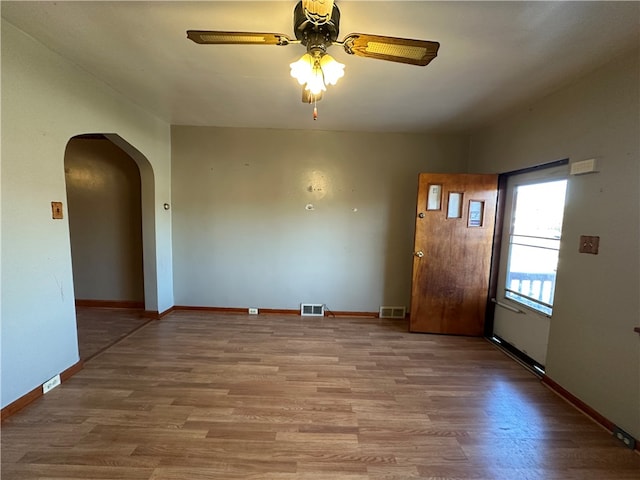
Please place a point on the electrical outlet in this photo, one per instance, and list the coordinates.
(589, 244)
(51, 384)
(625, 438)
(253, 311)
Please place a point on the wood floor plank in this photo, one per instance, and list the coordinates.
(98, 328)
(203, 395)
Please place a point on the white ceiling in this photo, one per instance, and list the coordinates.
(494, 56)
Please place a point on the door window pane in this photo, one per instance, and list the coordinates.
(454, 209)
(534, 243)
(434, 198)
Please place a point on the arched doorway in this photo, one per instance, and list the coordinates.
(105, 204)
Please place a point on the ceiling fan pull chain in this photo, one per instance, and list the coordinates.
(315, 109)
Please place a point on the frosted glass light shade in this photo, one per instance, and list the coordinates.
(332, 70)
(316, 73)
(302, 69)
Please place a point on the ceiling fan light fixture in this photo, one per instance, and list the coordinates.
(317, 71)
(308, 72)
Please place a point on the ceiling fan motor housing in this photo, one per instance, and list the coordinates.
(315, 37)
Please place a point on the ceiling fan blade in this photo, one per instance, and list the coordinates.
(206, 37)
(402, 50)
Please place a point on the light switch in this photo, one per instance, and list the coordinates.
(56, 210)
(589, 244)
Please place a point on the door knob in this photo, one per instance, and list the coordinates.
(419, 254)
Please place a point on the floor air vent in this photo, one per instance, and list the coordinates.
(311, 310)
(392, 312)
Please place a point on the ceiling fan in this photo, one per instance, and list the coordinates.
(316, 24)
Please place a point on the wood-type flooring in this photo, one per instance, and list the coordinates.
(99, 328)
(199, 396)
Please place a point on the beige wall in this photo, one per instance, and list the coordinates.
(243, 237)
(593, 351)
(105, 221)
(46, 101)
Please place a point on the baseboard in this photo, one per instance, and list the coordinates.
(211, 309)
(237, 310)
(278, 311)
(155, 315)
(36, 393)
(132, 304)
(580, 405)
(343, 313)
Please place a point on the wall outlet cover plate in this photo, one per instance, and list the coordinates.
(589, 244)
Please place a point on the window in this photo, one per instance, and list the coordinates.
(534, 242)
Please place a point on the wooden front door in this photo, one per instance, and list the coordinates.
(455, 219)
